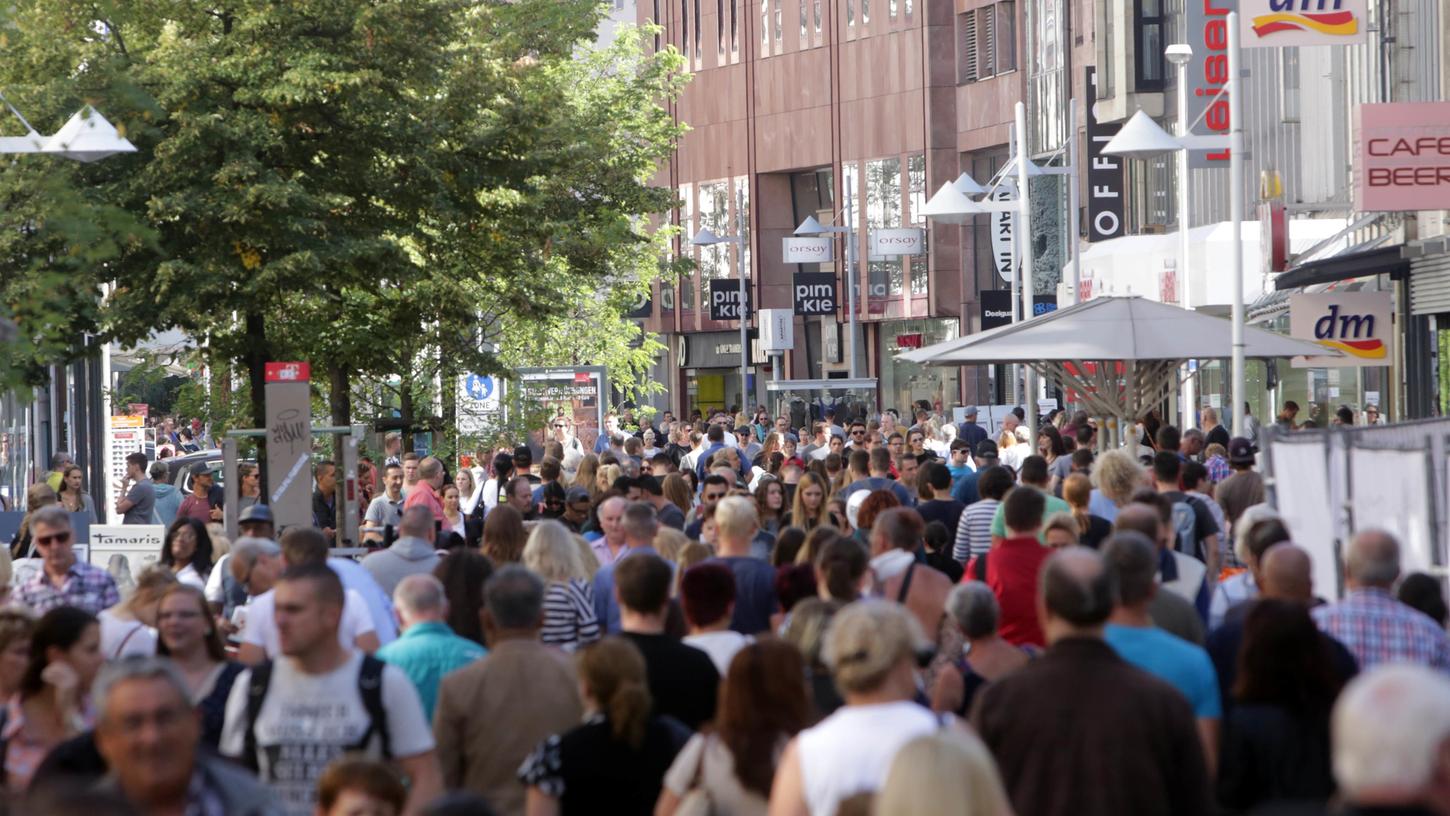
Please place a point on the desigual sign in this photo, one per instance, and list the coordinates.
(1270, 23)
(1403, 152)
(1356, 324)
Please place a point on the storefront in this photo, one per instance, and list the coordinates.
(904, 383)
(709, 366)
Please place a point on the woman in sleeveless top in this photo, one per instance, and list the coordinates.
(871, 647)
(974, 610)
(189, 636)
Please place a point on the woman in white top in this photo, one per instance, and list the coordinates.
(763, 704)
(129, 627)
(569, 618)
(871, 648)
(188, 551)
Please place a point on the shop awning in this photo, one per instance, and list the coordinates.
(1378, 261)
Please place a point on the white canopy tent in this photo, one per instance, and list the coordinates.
(1120, 353)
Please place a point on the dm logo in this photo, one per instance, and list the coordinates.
(1310, 16)
(1352, 334)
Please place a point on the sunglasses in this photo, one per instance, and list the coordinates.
(58, 538)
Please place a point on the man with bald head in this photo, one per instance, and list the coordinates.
(1169, 610)
(428, 491)
(1376, 627)
(1132, 747)
(1283, 573)
(428, 649)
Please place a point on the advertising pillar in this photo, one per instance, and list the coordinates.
(289, 443)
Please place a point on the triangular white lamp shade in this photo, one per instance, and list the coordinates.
(1033, 171)
(810, 226)
(968, 186)
(950, 206)
(1141, 138)
(706, 238)
(88, 137)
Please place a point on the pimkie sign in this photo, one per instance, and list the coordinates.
(1270, 23)
(1356, 324)
(1402, 153)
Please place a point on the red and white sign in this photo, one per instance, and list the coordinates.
(581, 378)
(139, 408)
(1274, 223)
(1403, 157)
(908, 341)
(288, 372)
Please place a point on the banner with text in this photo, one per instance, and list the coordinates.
(807, 250)
(1105, 174)
(1403, 152)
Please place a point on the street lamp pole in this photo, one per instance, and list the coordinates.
(1179, 54)
(1236, 214)
(1024, 224)
(852, 278)
(744, 314)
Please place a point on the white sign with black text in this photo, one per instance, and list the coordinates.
(807, 250)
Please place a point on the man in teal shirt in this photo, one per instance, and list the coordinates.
(427, 650)
(1034, 474)
(1133, 560)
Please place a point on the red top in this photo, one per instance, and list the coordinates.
(1012, 569)
(421, 495)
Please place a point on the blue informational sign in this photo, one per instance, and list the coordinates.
(479, 387)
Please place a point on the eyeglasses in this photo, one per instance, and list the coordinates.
(858, 433)
(58, 538)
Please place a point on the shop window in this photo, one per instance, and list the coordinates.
(916, 187)
(1149, 23)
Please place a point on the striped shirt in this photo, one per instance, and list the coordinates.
(569, 619)
(974, 530)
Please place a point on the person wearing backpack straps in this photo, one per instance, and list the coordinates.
(289, 718)
(1195, 531)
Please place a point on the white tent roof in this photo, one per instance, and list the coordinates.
(1113, 329)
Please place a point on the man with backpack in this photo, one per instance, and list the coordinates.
(288, 719)
(1195, 532)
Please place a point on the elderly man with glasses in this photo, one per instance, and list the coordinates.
(61, 579)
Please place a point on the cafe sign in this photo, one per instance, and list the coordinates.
(1402, 154)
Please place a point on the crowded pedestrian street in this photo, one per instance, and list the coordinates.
(559, 408)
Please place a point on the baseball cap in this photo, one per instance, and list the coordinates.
(1241, 451)
(986, 449)
(576, 494)
(200, 469)
(256, 512)
(969, 411)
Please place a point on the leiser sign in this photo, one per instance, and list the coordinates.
(1402, 156)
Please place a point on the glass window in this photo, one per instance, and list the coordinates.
(715, 216)
(699, 32)
(865, 11)
(916, 186)
(850, 12)
(891, 8)
(765, 27)
(1148, 44)
(1005, 37)
(805, 27)
(742, 211)
(685, 31)
(734, 30)
(818, 16)
(779, 28)
(918, 268)
(883, 193)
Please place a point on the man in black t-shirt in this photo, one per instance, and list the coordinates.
(1201, 527)
(682, 679)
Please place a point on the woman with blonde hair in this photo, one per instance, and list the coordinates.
(129, 627)
(584, 477)
(669, 542)
(808, 508)
(37, 496)
(950, 765)
(1116, 474)
(871, 647)
(604, 479)
(677, 492)
(569, 619)
(618, 756)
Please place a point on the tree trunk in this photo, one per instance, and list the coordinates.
(448, 396)
(405, 407)
(256, 358)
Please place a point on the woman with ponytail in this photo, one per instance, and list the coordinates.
(841, 570)
(620, 754)
(1077, 491)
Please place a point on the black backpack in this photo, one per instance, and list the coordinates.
(369, 686)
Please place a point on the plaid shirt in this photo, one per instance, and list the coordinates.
(1377, 629)
(1218, 469)
(86, 587)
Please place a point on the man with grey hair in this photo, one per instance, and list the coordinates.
(411, 554)
(493, 712)
(974, 608)
(148, 734)
(1375, 626)
(639, 526)
(736, 523)
(61, 579)
(426, 493)
(1391, 742)
(428, 649)
(1132, 747)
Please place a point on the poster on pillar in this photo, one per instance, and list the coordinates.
(1206, 24)
(1105, 173)
(1004, 229)
(725, 299)
(289, 443)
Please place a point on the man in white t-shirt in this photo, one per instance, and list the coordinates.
(289, 719)
(257, 564)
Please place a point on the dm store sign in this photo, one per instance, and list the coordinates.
(1355, 324)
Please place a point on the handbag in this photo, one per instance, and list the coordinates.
(697, 800)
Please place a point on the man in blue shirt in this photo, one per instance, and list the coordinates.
(879, 467)
(428, 649)
(965, 488)
(1132, 559)
(969, 431)
(639, 525)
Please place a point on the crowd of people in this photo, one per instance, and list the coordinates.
(729, 615)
